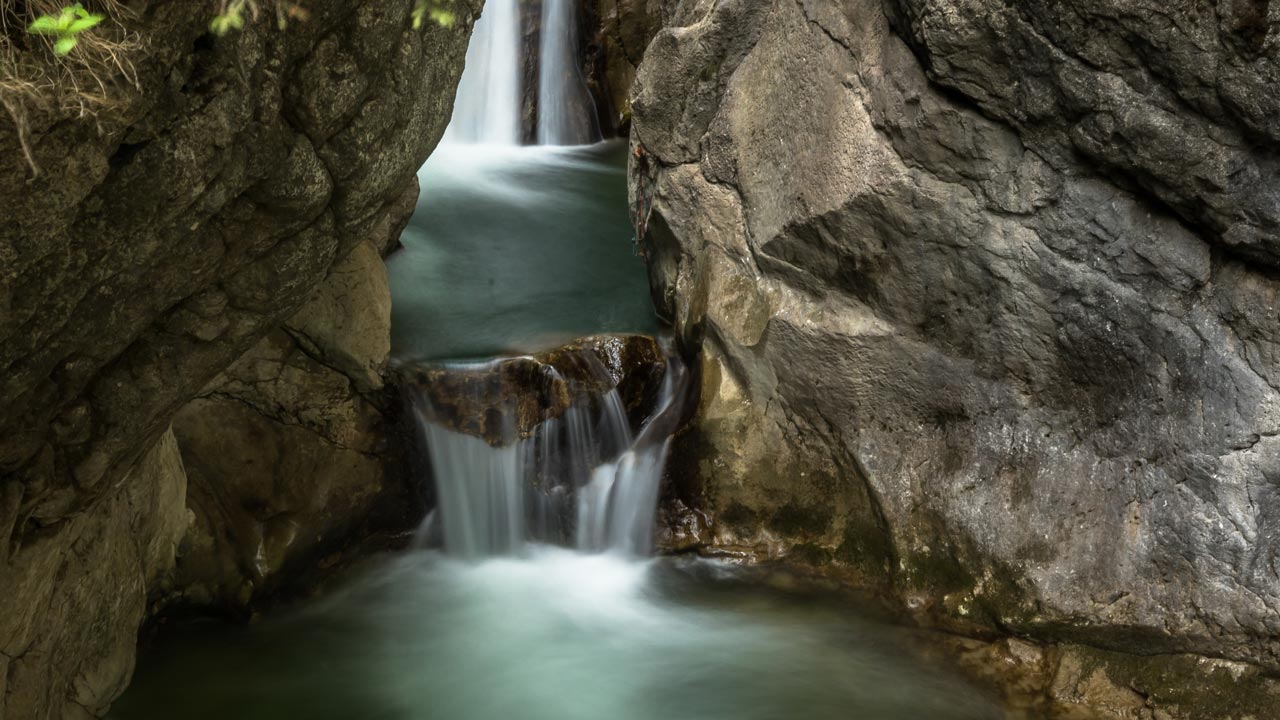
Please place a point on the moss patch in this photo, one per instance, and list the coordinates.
(1185, 686)
(803, 521)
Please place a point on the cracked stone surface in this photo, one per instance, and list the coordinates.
(286, 451)
(158, 243)
(73, 601)
(987, 300)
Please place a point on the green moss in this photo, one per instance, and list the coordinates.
(810, 554)
(937, 572)
(973, 587)
(866, 548)
(1187, 685)
(799, 521)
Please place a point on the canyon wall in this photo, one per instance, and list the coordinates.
(148, 247)
(986, 298)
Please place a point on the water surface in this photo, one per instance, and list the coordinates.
(516, 249)
(552, 635)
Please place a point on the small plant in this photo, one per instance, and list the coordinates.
(433, 9)
(232, 15)
(230, 18)
(66, 26)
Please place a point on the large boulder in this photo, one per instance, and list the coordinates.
(986, 299)
(287, 452)
(150, 240)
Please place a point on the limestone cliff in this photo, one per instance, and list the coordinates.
(986, 298)
(145, 249)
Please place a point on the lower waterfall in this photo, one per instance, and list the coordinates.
(585, 479)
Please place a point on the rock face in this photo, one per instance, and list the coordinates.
(73, 600)
(157, 244)
(623, 29)
(286, 451)
(987, 302)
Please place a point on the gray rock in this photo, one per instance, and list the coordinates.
(985, 296)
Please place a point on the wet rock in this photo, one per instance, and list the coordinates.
(1177, 687)
(977, 289)
(506, 399)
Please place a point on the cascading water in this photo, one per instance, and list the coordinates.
(584, 473)
(583, 478)
(487, 106)
(565, 114)
(515, 246)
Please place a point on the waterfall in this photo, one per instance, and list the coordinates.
(487, 107)
(565, 111)
(583, 478)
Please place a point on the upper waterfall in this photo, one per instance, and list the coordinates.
(565, 110)
(487, 107)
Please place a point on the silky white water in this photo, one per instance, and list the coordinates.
(565, 109)
(553, 634)
(487, 106)
(585, 478)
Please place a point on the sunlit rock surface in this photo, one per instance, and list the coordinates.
(986, 298)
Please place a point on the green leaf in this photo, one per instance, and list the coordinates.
(85, 23)
(225, 23)
(64, 45)
(443, 17)
(44, 25)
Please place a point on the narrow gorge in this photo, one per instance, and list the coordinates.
(401, 359)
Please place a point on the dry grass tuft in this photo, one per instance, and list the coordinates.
(89, 82)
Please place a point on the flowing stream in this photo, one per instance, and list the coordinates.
(531, 593)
